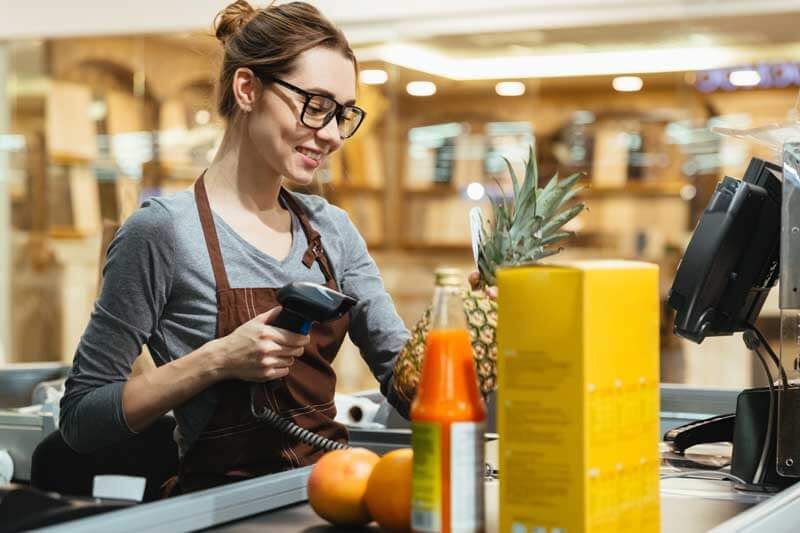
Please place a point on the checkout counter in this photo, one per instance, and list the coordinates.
(278, 502)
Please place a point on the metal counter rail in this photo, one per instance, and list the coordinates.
(208, 508)
(200, 510)
(779, 514)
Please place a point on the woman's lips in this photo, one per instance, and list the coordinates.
(308, 161)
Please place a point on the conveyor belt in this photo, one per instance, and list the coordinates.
(279, 501)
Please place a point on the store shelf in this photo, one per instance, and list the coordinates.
(641, 189)
(352, 188)
(636, 189)
(65, 158)
(445, 247)
(68, 233)
(440, 189)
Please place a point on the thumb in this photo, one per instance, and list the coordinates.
(269, 316)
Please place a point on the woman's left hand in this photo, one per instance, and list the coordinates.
(475, 283)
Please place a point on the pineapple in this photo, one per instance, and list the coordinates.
(522, 231)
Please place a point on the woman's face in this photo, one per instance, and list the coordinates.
(289, 148)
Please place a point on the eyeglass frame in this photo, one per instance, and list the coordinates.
(307, 95)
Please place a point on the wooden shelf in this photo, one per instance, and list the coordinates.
(68, 232)
(439, 189)
(349, 188)
(641, 189)
(438, 247)
(66, 159)
(375, 245)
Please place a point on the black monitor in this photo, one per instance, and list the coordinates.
(731, 262)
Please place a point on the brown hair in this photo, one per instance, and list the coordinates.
(270, 39)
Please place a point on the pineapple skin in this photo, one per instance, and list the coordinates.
(481, 315)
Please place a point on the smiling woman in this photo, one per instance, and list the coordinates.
(194, 275)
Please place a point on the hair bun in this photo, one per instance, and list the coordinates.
(232, 18)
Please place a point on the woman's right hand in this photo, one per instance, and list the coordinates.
(256, 351)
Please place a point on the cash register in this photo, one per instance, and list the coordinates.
(731, 263)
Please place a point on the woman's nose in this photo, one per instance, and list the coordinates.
(330, 134)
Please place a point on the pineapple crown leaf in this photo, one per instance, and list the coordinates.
(570, 195)
(514, 180)
(558, 236)
(528, 194)
(559, 220)
(524, 227)
(552, 199)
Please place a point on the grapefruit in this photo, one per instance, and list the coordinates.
(338, 483)
(389, 490)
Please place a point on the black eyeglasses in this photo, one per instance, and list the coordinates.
(319, 110)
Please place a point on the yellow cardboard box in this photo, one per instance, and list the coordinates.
(578, 391)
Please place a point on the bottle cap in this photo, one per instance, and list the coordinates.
(448, 277)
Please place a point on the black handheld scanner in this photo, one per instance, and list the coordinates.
(305, 303)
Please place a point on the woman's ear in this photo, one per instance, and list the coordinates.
(245, 89)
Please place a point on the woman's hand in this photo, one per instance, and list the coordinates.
(475, 283)
(256, 351)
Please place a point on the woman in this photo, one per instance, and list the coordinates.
(194, 275)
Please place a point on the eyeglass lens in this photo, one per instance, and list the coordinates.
(320, 110)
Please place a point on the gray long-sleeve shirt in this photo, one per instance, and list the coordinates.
(159, 290)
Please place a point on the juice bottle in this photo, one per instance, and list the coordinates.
(448, 418)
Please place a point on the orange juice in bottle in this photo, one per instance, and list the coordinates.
(448, 418)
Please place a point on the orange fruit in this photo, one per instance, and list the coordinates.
(389, 490)
(338, 483)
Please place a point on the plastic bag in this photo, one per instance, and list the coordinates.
(772, 136)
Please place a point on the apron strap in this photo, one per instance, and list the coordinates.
(210, 233)
(315, 249)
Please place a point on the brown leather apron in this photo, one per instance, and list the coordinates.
(235, 445)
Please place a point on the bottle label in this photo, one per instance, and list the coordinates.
(426, 487)
(466, 476)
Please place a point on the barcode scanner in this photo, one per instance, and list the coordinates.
(303, 304)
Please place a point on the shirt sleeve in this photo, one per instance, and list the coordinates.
(137, 279)
(375, 326)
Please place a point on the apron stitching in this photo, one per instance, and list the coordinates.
(295, 456)
(314, 410)
(284, 439)
(319, 406)
(251, 308)
(298, 410)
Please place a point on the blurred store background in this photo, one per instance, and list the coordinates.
(103, 104)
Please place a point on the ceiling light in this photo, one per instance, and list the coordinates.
(98, 110)
(627, 84)
(555, 65)
(373, 76)
(744, 78)
(475, 191)
(202, 117)
(688, 192)
(421, 88)
(510, 88)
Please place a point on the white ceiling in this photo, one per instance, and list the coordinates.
(367, 21)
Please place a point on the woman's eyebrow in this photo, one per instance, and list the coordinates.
(319, 90)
